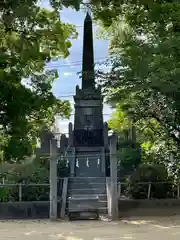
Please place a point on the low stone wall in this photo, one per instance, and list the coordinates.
(154, 207)
(25, 210)
(127, 208)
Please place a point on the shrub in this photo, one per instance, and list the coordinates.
(157, 175)
(31, 173)
(4, 194)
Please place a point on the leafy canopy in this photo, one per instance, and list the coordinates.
(144, 44)
(30, 37)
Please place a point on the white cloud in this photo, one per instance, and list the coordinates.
(67, 73)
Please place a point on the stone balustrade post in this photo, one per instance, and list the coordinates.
(53, 180)
(114, 213)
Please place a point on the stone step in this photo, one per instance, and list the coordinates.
(101, 203)
(102, 197)
(83, 185)
(89, 191)
(102, 210)
(87, 180)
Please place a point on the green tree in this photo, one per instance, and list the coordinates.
(30, 37)
(144, 80)
(155, 146)
(129, 149)
(161, 183)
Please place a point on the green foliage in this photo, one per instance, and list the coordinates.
(157, 175)
(30, 37)
(32, 172)
(119, 121)
(144, 80)
(154, 147)
(62, 168)
(4, 194)
(150, 173)
(130, 158)
(129, 149)
(29, 173)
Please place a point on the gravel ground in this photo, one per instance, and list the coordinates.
(141, 229)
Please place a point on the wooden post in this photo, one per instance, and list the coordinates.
(113, 179)
(53, 180)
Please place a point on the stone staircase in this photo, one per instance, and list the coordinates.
(89, 187)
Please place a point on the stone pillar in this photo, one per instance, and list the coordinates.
(72, 161)
(106, 135)
(62, 144)
(70, 130)
(113, 178)
(103, 165)
(64, 198)
(53, 180)
(45, 139)
(71, 150)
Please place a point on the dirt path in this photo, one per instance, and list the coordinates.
(156, 229)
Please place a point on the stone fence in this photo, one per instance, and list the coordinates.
(146, 207)
(27, 201)
(22, 209)
(127, 208)
(27, 210)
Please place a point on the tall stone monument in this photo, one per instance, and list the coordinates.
(88, 139)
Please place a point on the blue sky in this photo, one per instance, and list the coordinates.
(64, 86)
